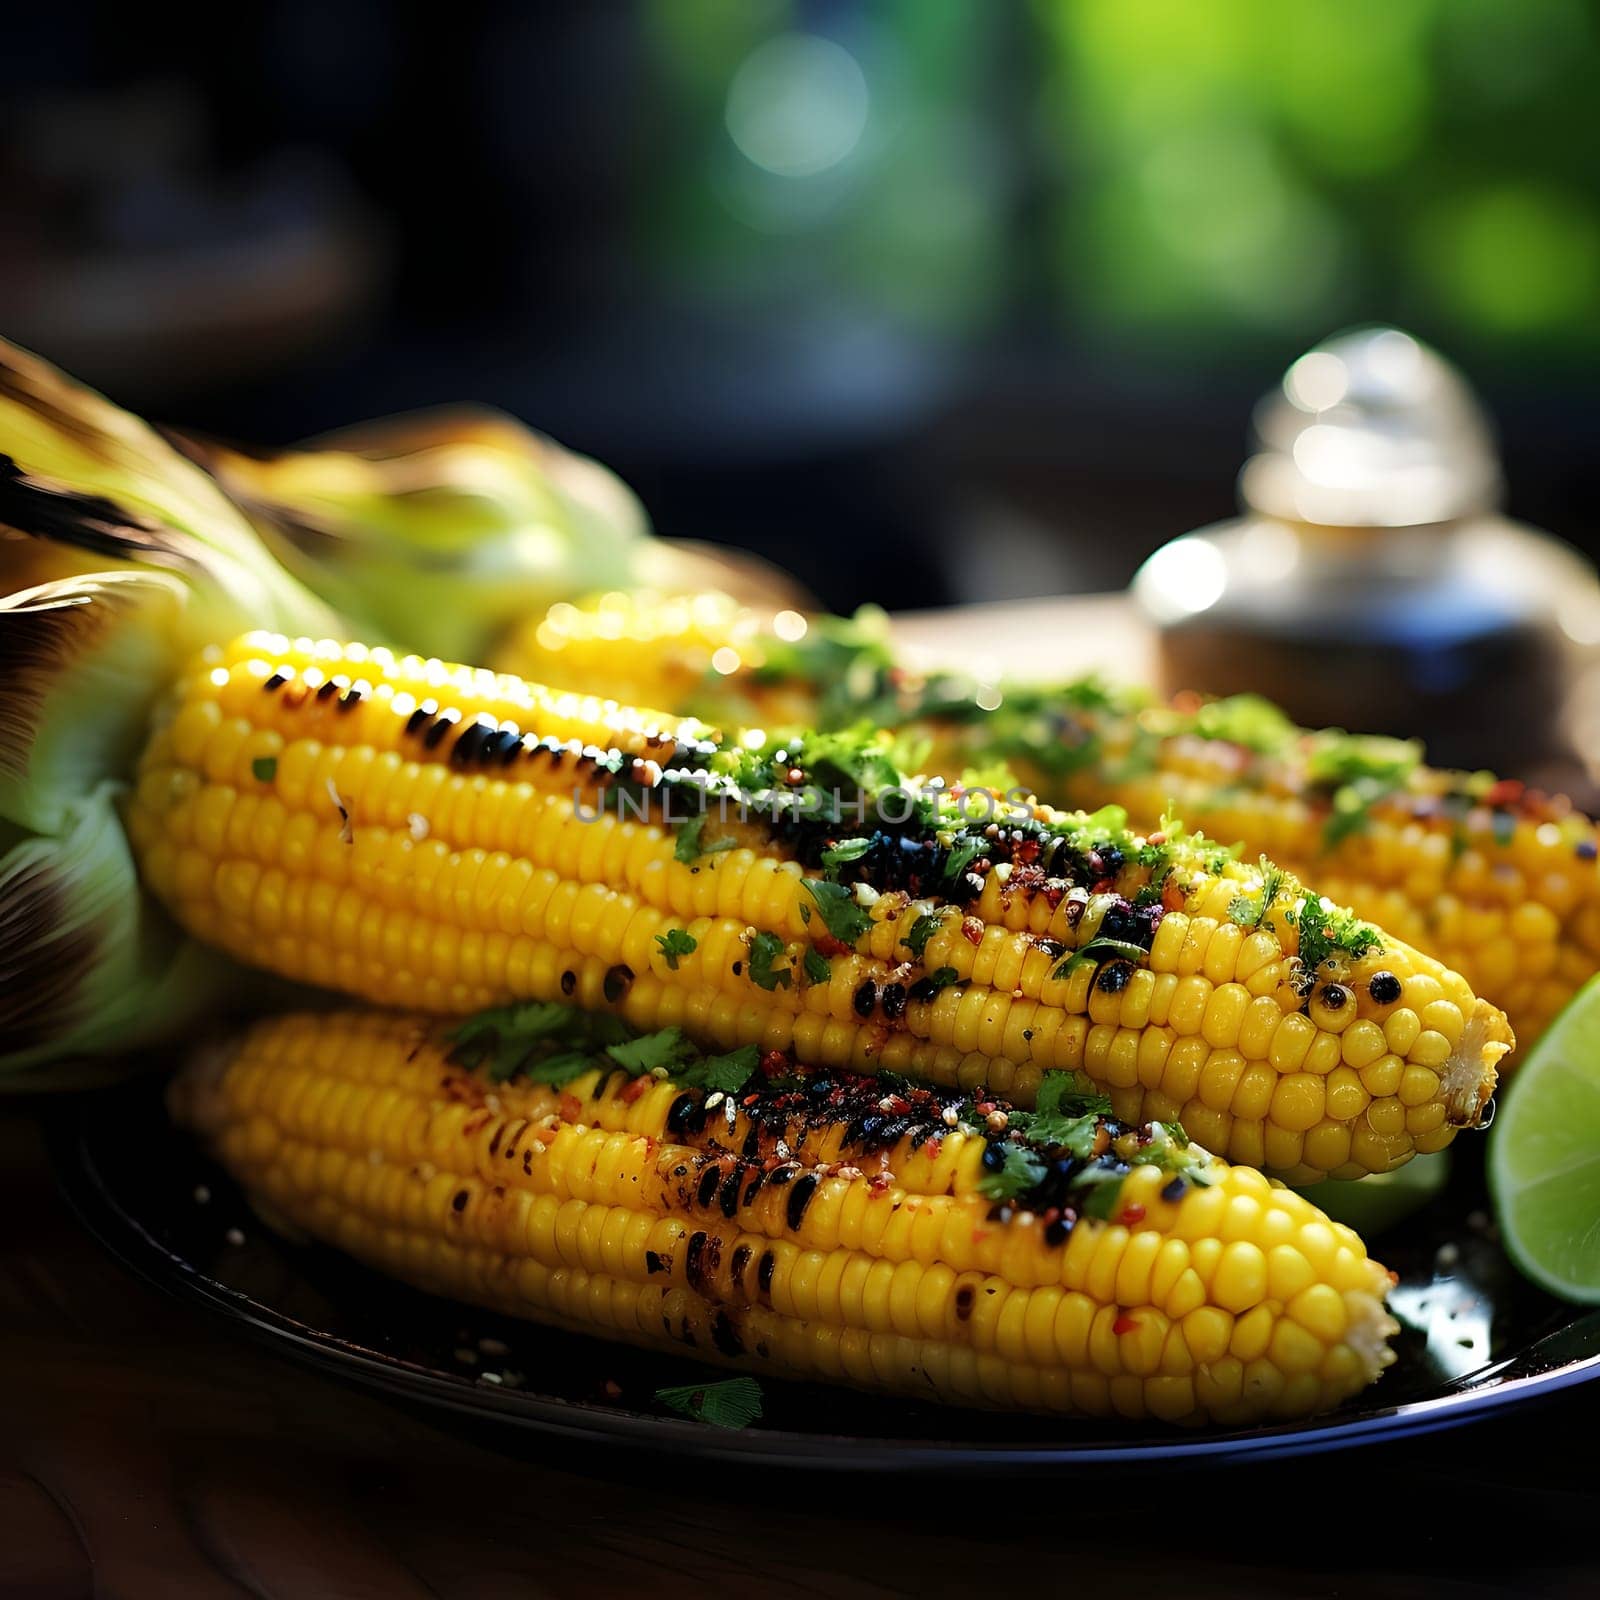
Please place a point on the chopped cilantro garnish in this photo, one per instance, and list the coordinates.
(765, 948)
(817, 967)
(675, 942)
(549, 1043)
(845, 920)
(541, 1036)
(1358, 771)
(264, 769)
(1250, 910)
(837, 855)
(689, 846)
(1022, 1170)
(922, 930)
(730, 1403)
(1069, 1095)
(1103, 1186)
(728, 1072)
(665, 1048)
(1245, 719)
(1326, 931)
(855, 760)
(962, 854)
(1066, 1112)
(942, 978)
(557, 1070)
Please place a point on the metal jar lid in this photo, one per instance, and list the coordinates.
(1372, 428)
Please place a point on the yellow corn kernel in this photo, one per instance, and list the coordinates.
(617, 1224)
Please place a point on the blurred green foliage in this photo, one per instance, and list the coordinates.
(1201, 170)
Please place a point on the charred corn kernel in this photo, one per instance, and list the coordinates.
(522, 886)
(602, 1206)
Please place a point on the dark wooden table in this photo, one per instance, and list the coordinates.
(147, 1450)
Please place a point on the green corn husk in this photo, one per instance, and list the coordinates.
(88, 964)
(145, 561)
(437, 530)
(441, 530)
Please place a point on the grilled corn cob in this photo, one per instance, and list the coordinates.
(387, 827)
(1500, 883)
(800, 1222)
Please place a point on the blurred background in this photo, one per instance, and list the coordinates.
(928, 299)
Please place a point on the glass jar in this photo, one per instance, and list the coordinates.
(1371, 582)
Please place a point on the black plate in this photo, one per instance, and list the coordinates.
(1475, 1336)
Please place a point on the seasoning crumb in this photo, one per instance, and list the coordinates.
(346, 832)
(490, 1377)
(202, 1195)
(611, 1389)
(234, 1237)
(418, 824)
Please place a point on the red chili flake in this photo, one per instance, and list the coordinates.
(1103, 886)
(612, 1389)
(570, 1107)
(1131, 1215)
(979, 1235)
(932, 1148)
(750, 1099)
(774, 1063)
(1125, 1324)
(827, 945)
(1172, 897)
(638, 1087)
(1506, 792)
(972, 930)
(1025, 852)
(878, 1184)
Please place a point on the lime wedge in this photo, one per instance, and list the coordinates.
(1375, 1204)
(1544, 1155)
